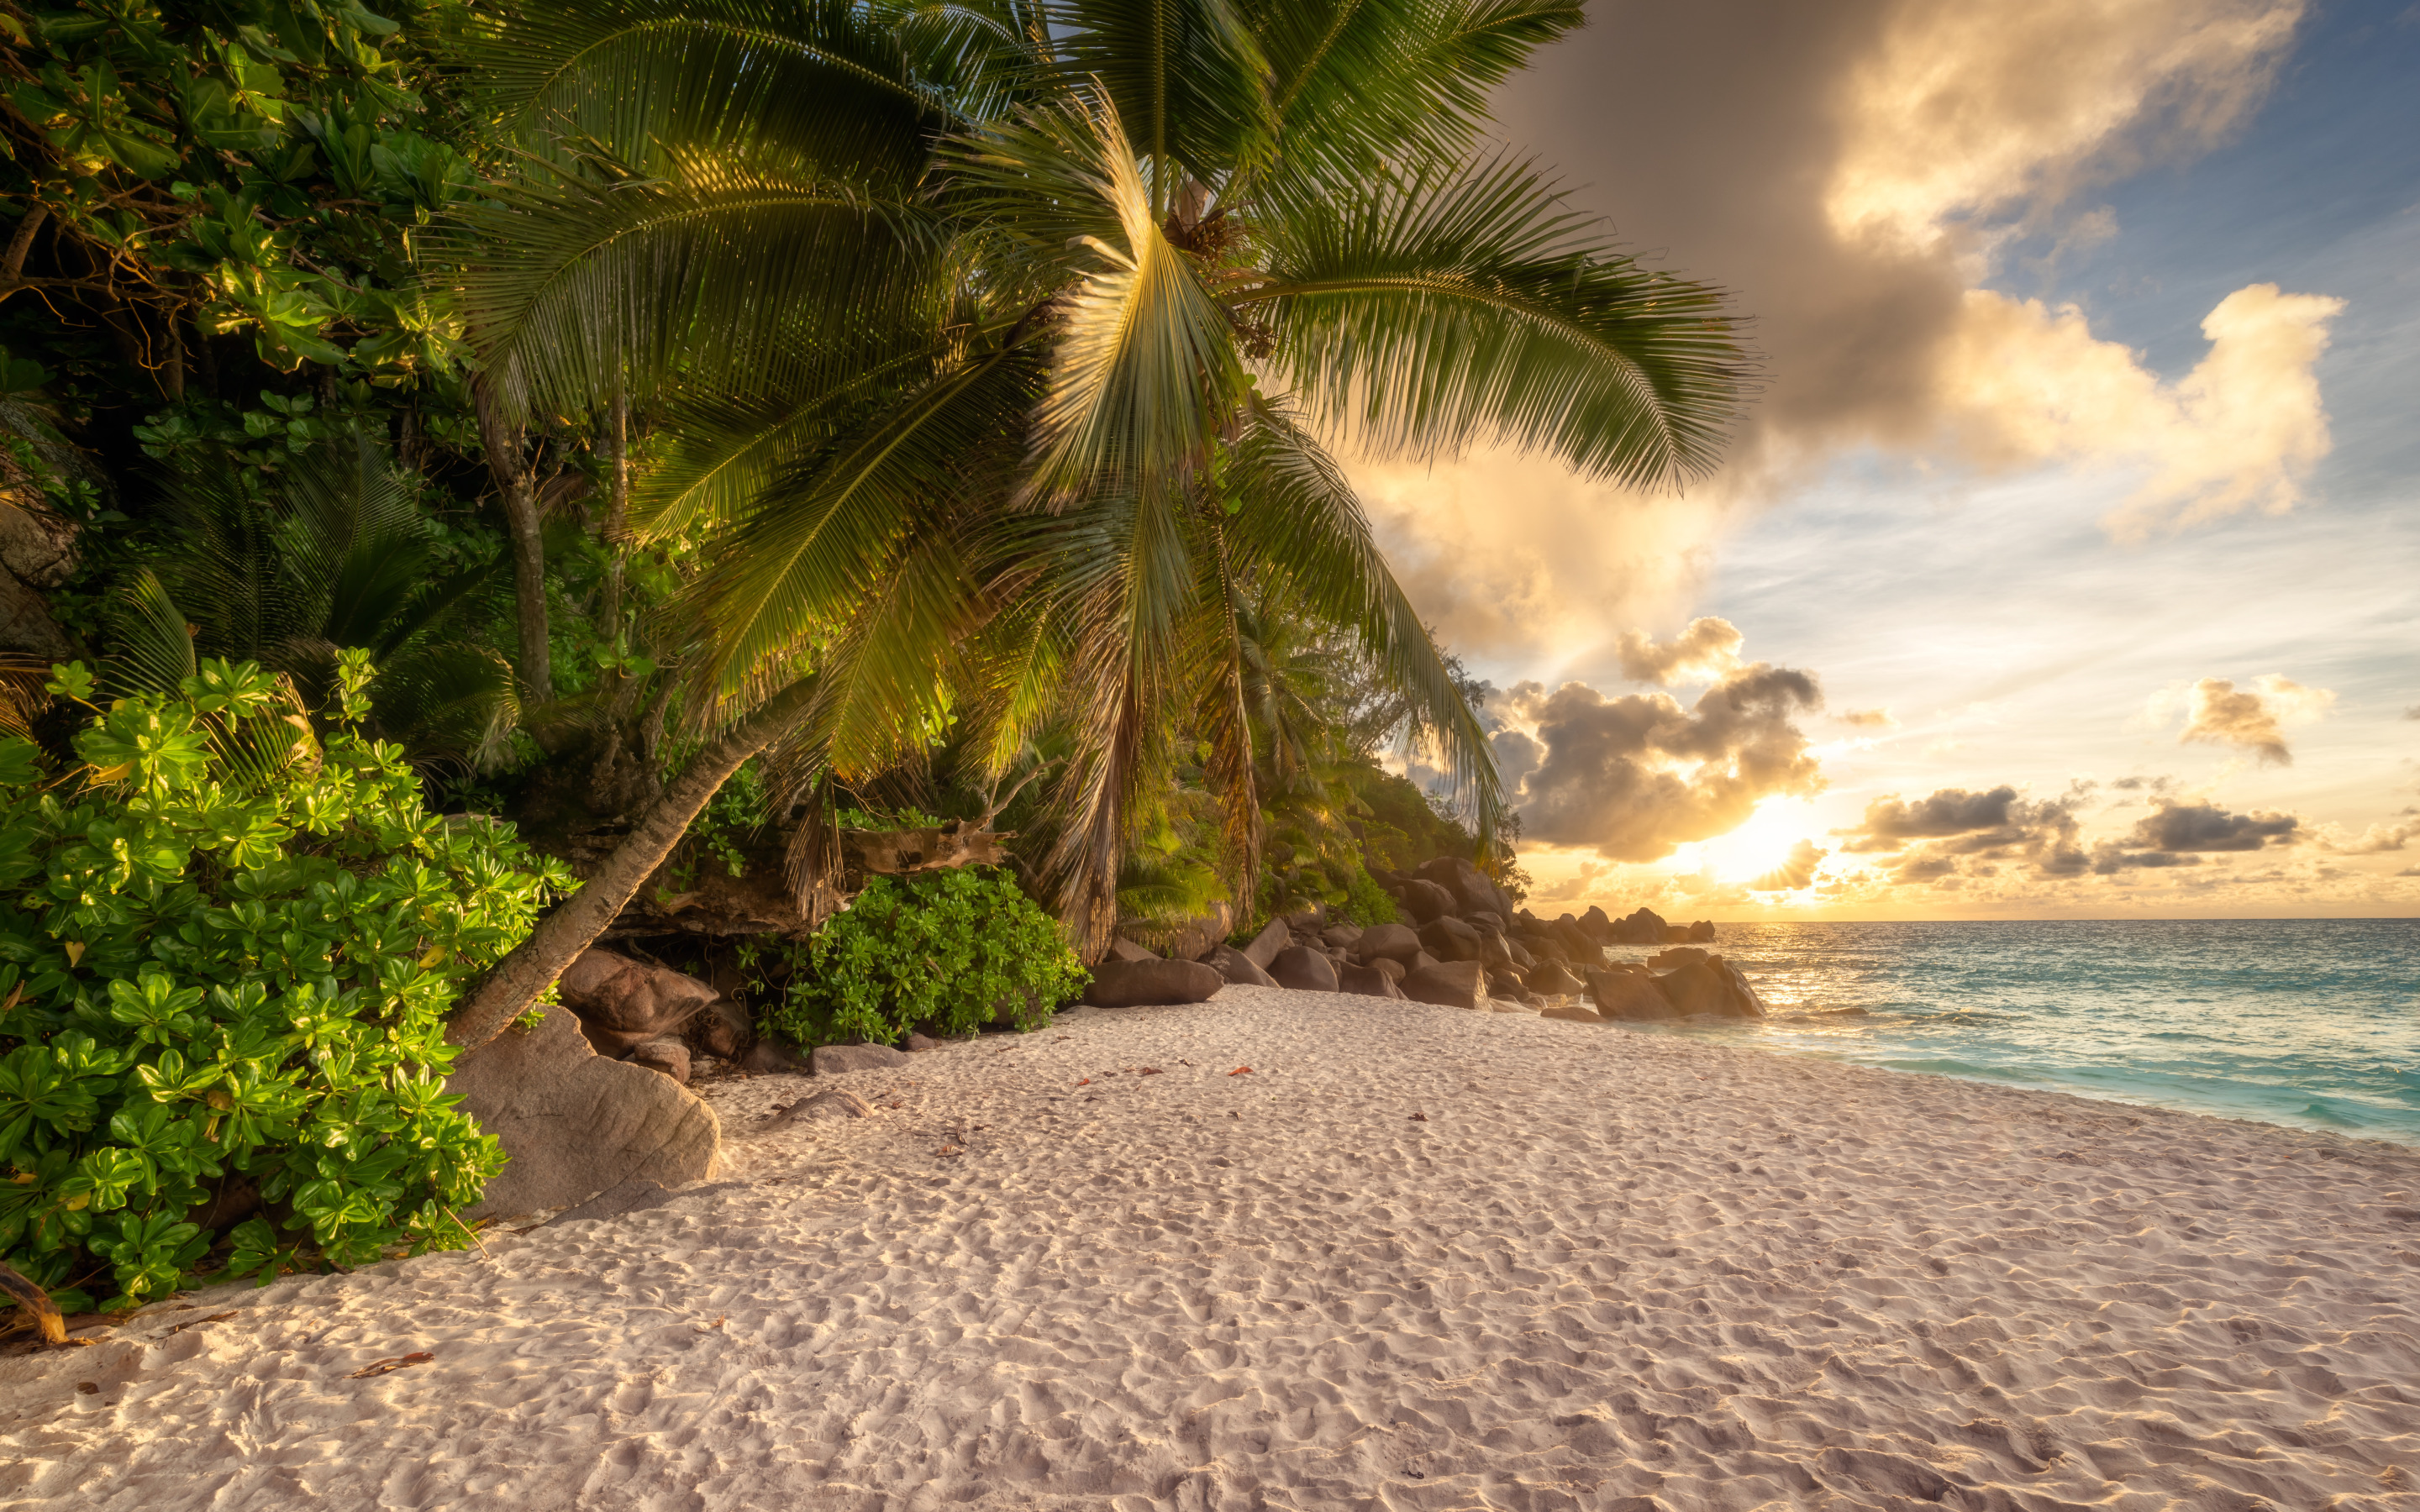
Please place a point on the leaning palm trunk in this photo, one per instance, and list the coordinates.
(521, 976)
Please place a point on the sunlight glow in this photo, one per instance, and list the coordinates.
(1760, 844)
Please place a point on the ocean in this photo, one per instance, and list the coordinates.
(2313, 1023)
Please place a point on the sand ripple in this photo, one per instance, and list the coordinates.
(1605, 1269)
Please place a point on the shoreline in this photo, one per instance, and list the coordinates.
(1599, 1271)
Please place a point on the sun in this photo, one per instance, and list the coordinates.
(1761, 844)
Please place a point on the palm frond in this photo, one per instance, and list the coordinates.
(829, 82)
(721, 274)
(1450, 307)
(1302, 524)
(1144, 358)
(1184, 75)
(1356, 83)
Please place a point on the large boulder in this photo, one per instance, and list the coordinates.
(1449, 984)
(1393, 941)
(1522, 959)
(1369, 981)
(1424, 900)
(1420, 961)
(1644, 927)
(1494, 951)
(720, 1028)
(1566, 932)
(1343, 936)
(1551, 979)
(1188, 939)
(1678, 955)
(576, 1123)
(1273, 937)
(1125, 949)
(1450, 939)
(1702, 932)
(1544, 947)
(1143, 983)
(1387, 966)
(622, 1003)
(1236, 967)
(835, 1059)
(1471, 889)
(1629, 995)
(1304, 969)
(1713, 986)
(1596, 926)
(668, 1053)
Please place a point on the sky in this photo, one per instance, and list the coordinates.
(2064, 561)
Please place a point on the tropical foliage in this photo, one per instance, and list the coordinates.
(947, 953)
(227, 947)
(990, 347)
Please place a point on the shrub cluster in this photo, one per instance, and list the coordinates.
(226, 950)
(948, 952)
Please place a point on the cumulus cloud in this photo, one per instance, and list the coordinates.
(2024, 384)
(1585, 884)
(1636, 775)
(1867, 719)
(1956, 832)
(1851, 169)
(2181, 828)
(1797, 871)
(2375, 840)
(2254, 718)
(1708, 648)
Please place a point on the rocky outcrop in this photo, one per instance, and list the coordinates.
(1387, 967)
(1304, 969)
(1702, 932)
(1343, 936)
(1449, 984)
(1273, 937)
(1369, 981)
(1629, 995)
(1712, 987)
(1125, 949)
(1144, 984)
(1388, 941)
(1424, 900)
(622, 1003)
(667, 1053)
(1236, 967)
(1551, 979)
(575, 1123)
(1644, 927)
(1450, 939)
(1678, 955)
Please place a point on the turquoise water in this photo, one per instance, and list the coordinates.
(2314, 1023)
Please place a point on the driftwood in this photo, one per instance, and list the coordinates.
(36, 1304)
(893, 853)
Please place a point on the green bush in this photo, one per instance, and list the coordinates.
(226, 950)
(948, 952)
(1365, 902)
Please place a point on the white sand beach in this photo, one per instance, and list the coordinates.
(1416, 1259)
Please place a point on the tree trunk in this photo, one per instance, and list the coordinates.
(502, 441)
(559, 938)
(617, 511)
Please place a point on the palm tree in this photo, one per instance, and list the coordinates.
(996, 342)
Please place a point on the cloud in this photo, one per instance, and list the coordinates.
(2375, 840)
(2023, 384)
(1955, 832)
(2412, 712)
(1584, 884)
(1708, 648)
(2217, 712)
(2200, 827)
(1636, 775)
(1867, 719)
(1797, 871)
(1851, 170)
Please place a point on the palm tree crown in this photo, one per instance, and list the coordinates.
(994, 343)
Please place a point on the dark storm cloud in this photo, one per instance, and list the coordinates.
(1635, 777)
(2186, 827)
(1954, 832)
